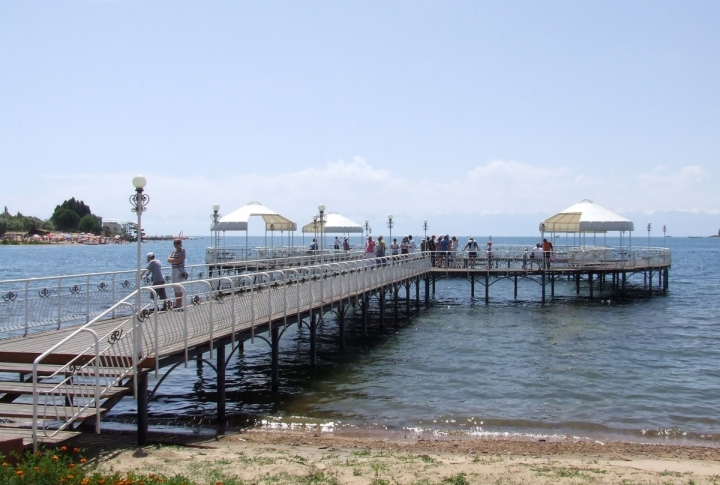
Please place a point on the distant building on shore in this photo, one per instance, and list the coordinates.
(113, 225)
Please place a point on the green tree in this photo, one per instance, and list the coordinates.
(65, 219)
(90, 223)
(3, 227)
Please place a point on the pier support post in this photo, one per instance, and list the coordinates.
(602, 281)
(433, 284)
(396, 290)
(577, 283)
(275, 358)
(552, 286)
(624, 279)
(487, 287)
(650, 275)
(407, 298)
(515, 287)
(427, 289)
(542, 283)
(142, 408)
(220, 364)
(472, 286)
(364, 307)
(666, 273)
(313, 337)
(590, 280)
(341, 327)
(382, 308)
(417, 292)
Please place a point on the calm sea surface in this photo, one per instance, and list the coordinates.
(647, 369)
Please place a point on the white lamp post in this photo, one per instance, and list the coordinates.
(664, 231)
(390, 225)
(649, 227)
(321, 219)
(367, 228)
(425, 228)
(216, 242)
(139, 203)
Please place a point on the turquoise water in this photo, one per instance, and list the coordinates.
(643, 369)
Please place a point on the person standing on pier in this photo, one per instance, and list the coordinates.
(547, 252)
(432, 247)
(154, 269)
(394, 248)
(489, 254)
(404, 246)
(337, 244)
(177, 260)
(536, 256)
(472, 249)
(444, 248)
(370, 247)
(411, 245)
(346, 244)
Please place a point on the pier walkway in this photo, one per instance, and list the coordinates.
(72, 347)
(76, 374)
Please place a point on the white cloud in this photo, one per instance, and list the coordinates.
(362, 191)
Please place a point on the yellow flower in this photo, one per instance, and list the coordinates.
(54, 458)
(83, 460)
(20, 473)
(5, 464)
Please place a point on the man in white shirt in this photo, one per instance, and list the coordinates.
(411, 245)
(536, 256)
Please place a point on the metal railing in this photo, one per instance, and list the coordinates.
(49, 302)
(211, 307)
(585, 258)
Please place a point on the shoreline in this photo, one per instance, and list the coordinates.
(261, 456)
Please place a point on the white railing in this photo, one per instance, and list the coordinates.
(514, 257)
(213, 307)
(236, 253)
(49, 302)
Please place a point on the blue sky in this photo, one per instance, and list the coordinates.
(482, 117)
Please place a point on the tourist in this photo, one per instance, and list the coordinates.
(404, 245)
(313, 246)
(411, 245)
(525, 259)
(394, 248)
(337, 244)
(369, 247)
(423, 245)
(154, 269)
(536, 256)
(380, 247)
(453, 250)
(177, 260)
(346, 244)
(443, 248)
(547, 252)
(472, 249)
(432, 248)
(489, 254)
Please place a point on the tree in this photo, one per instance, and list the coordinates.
(61, 218)
(90, 223)
(3, 227)
(65, 219)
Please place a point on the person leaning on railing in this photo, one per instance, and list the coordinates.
(155, 270)
(177, 260)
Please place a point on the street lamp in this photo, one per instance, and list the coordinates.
(272, 239)
(664, 230)
(321, 220)
(367, 228)
(139, 202)
(215, 217)
(390, 225)
(649, 226)
(425, 228)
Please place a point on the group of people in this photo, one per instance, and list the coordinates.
(444, 251)
(178, 274)
(542, 254)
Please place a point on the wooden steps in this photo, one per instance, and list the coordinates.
(68, 390)
(25, 411)
(26, 435)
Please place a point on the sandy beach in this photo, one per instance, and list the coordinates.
(305, 457)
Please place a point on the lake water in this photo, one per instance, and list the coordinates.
(645, 369)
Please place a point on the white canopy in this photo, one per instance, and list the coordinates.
(238, 220)
(586, 216)
(334, 224)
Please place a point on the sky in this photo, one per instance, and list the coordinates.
(480, 117)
